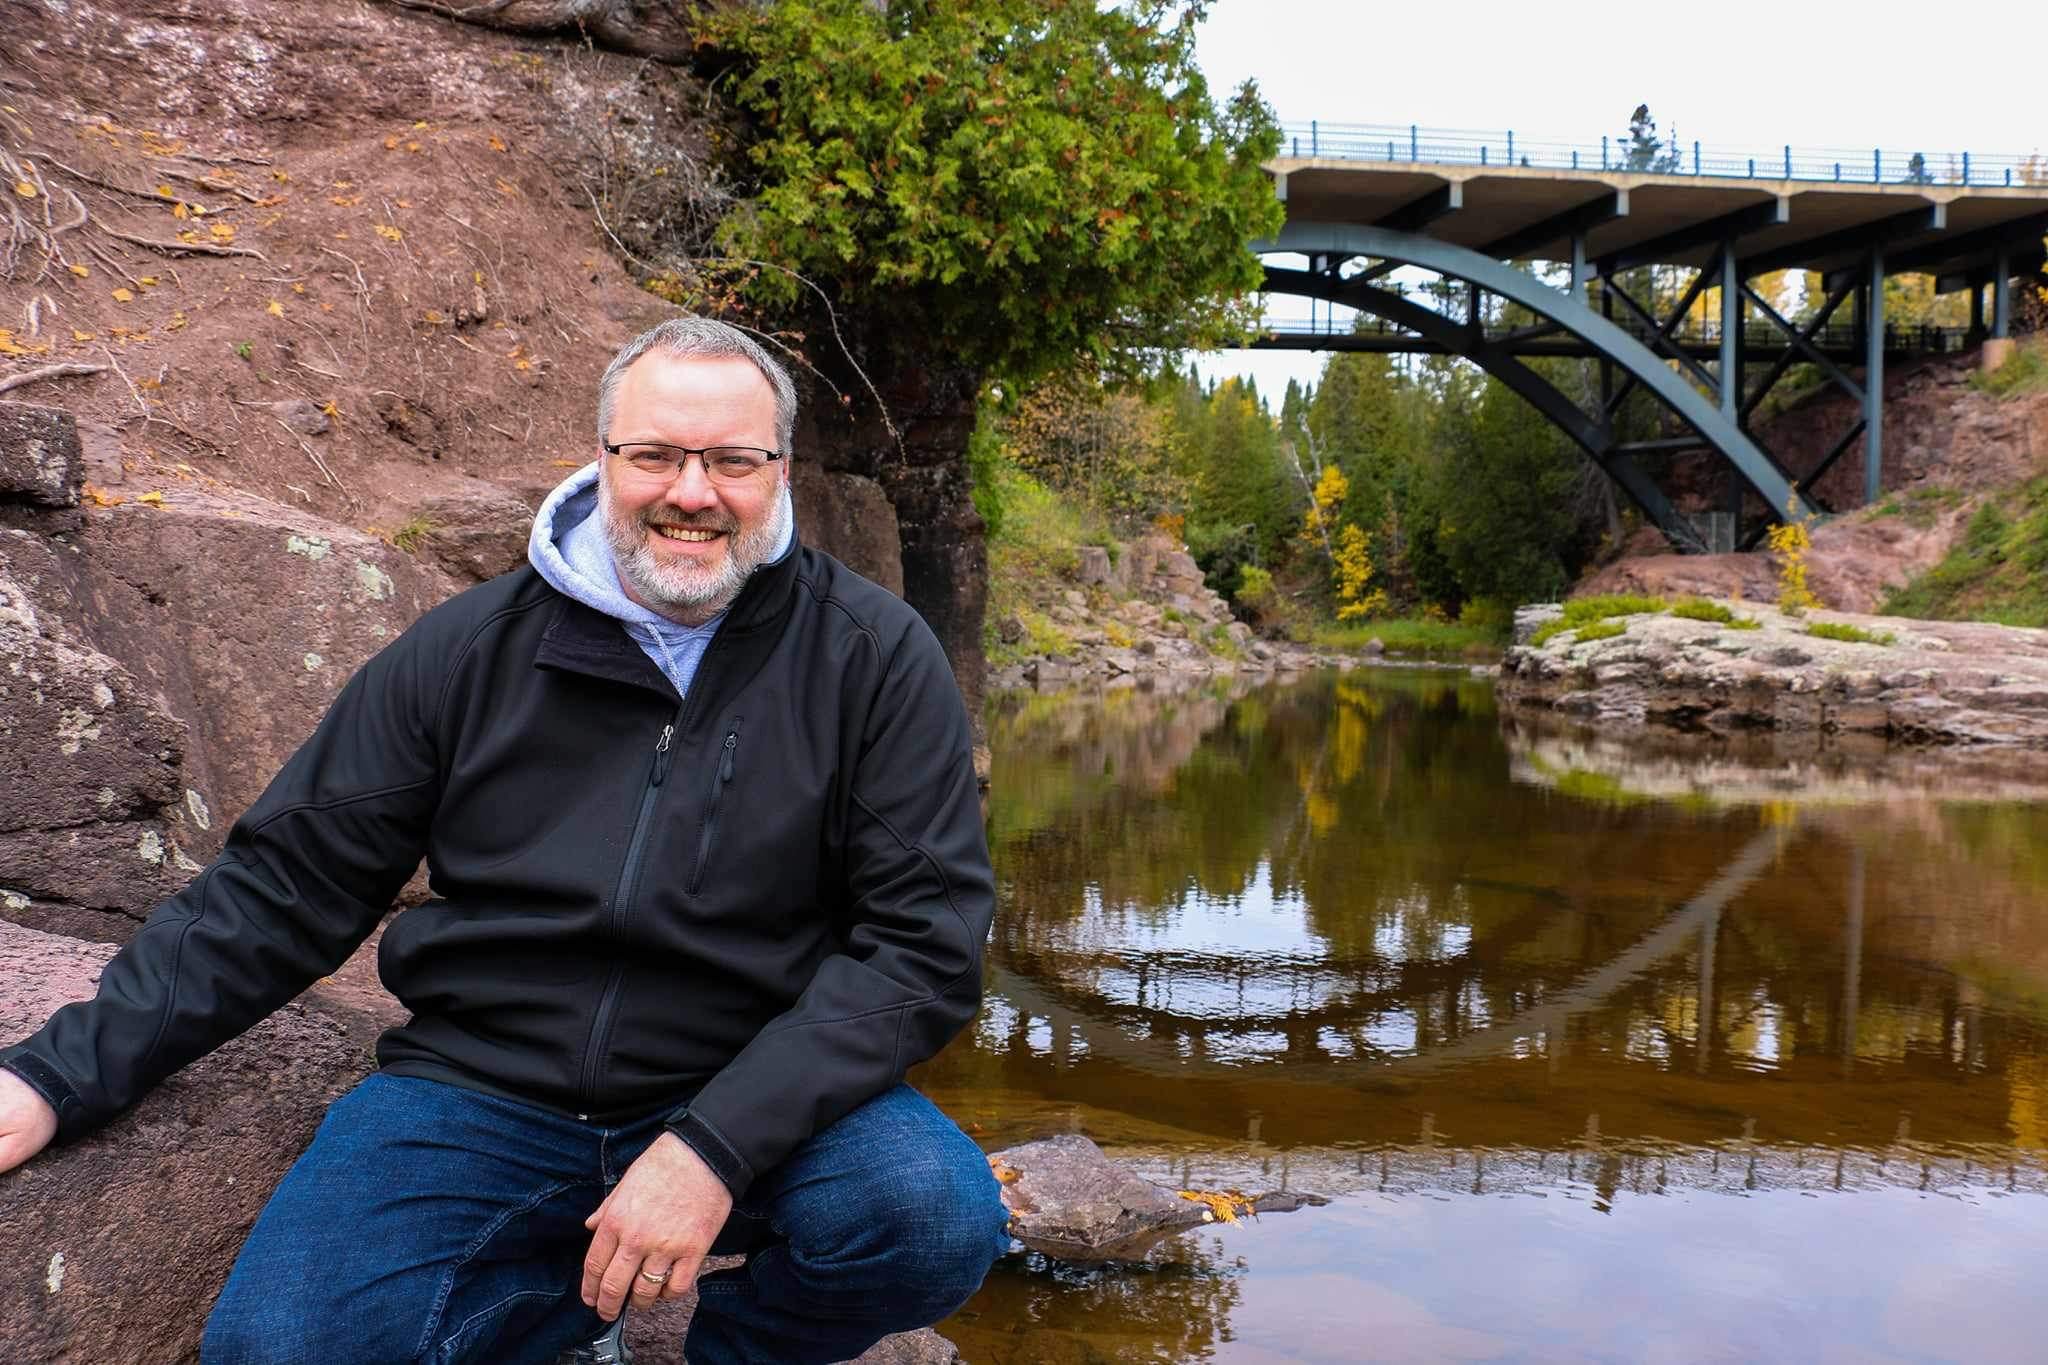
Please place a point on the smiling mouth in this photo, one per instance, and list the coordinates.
(685, 533)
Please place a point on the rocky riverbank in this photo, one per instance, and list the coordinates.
(1938, 682)
(1142, 613)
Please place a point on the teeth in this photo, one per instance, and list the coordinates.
(684, 533)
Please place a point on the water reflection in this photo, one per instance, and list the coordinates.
(1363, 936)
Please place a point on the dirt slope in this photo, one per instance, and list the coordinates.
(378, 272)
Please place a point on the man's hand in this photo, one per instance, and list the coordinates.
(27, 1122)
(660, 1218)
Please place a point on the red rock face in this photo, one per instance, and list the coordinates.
(1941, 437)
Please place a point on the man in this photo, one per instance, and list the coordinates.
(700, 817)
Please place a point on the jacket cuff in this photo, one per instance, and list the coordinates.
(49, 1083)
(732, 1169)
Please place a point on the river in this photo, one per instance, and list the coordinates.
(1601, 1049)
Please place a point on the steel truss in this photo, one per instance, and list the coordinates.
(1643, 363)
(1698, 380)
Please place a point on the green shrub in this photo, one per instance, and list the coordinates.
(1700, 609)
(1584, 611)
(1601, 630)
(1999, 570)
(410, 536)
(2026, 372)
(1855, 635)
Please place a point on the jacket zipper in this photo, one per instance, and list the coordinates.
(720, 780)
(622, 905)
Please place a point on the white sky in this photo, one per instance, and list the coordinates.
(1908, 76)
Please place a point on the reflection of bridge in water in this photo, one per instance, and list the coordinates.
(1156, 1038)
(1363, 202)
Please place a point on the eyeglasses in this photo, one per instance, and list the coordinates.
(723, 464)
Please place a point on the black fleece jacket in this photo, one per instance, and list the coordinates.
(753, 907)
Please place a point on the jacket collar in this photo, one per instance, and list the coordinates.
(580, 639)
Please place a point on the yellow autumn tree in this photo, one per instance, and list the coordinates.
(1789, 543)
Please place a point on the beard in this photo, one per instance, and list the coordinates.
(689, 593)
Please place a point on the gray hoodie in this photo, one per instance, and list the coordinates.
(568, 548)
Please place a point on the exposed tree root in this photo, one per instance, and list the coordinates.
(15, 381)
(175, 248)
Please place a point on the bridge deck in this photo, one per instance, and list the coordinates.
(1499, 202)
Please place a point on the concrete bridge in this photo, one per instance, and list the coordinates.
(1364, 201)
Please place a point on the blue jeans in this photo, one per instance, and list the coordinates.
(434, 1224)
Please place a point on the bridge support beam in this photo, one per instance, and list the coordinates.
(2001, 293)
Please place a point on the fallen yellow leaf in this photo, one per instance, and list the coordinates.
(147, 281)
(506, 187)
(275, 309)
(99, 497)
(391, 143)
(419, 123)
(565, 464)
(123, 296)
(282, 177)
(298, 289)
(433, 315)
(412, 146)
(476, 277)
(178, 320)
(188, 236)
(332, 409)
(1224, 1204)
(389, 233)
(179, 211)
(153, 498)
(83, 272)
(497, 143)
(165, 191)
(24, 189)
(77, 335)
(222, 232)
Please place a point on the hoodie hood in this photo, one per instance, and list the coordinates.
(567, 547)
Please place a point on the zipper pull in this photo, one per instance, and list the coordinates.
(661, 754)
(732, 742)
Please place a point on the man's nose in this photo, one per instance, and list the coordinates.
(691, 489)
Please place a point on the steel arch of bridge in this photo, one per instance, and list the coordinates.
(1562, 310)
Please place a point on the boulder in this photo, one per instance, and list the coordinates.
(476, 532)
(850, 518)
(93, 803)
(1916, 681)
(246, 616)
(234, 621)
(1068, 1200)
(39, 455)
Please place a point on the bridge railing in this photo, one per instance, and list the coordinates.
(1694, 332)
(1413, 143)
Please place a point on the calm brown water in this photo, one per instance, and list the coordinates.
(1602, 1050)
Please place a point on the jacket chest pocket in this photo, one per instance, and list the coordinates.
(724, 769)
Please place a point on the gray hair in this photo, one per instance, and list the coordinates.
(690, 335)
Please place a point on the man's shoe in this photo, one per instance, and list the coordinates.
(608, 1349)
